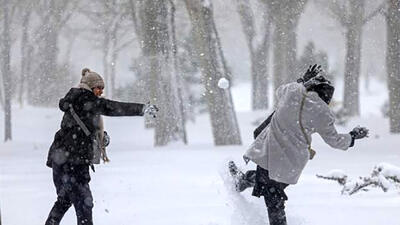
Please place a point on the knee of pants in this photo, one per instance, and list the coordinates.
(63, 202)
(84, 203)
(82, 197)
(275, 198)
(88, 202)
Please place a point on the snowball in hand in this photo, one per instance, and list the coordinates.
(223, 83)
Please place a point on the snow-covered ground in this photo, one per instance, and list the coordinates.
(185, 185)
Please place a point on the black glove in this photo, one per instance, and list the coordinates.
(359, 132)
(312, 71)
(150, 109)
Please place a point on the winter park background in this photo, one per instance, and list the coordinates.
(156, 50)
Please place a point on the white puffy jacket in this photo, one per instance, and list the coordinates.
(281, 147)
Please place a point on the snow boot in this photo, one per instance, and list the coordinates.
(242, 180)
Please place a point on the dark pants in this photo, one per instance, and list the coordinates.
(273, 192)
(72, 186)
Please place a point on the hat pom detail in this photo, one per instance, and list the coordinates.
(84, 71)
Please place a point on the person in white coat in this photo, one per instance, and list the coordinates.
(282, 145)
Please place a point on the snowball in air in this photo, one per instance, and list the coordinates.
(223, 83)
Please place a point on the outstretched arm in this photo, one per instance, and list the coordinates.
(114, 108)
(325, 126)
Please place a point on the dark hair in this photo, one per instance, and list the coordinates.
(325, 91)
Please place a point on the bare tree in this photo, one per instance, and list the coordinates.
(45, 82)
(109, 18)
(6, 11)
(159, 68)
(177, 72)
(393, 63)
(259, 50)
(285, 18)
(223, 117)
(26, 47)
(136, 15)
(352, 17)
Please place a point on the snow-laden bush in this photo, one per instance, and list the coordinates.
(384, 176)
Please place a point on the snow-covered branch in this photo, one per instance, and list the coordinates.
(383, 176)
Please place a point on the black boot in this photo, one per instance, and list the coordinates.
(242, 180)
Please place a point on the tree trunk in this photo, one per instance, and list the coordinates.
(285, 17)
(25, 48)
(114, 56)
(48, 54)
(106, 52)
(258, 53)
(351, 75)
(177, 75)
(260, 78)
(47, 84)
(284, 63)
(351, 104)
(393, 64)
(222, 115)
(278, 64)
(163, 92)
(44, 83)
(5, 70)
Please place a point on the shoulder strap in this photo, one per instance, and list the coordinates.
(262, 126)
(312, 152)
(301, 124)
(78, 120)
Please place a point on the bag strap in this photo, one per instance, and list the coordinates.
(78, 120)
(312, 152)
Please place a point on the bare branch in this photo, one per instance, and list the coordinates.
(132, 5)
(336, 10)
(379, 10)
(340, 180)
(124, 45)
(67, 16)
(365, 182)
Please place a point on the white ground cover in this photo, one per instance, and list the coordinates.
(185, 185)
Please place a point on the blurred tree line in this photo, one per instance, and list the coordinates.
(181, 58)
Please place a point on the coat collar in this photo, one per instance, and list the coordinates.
(84, 86)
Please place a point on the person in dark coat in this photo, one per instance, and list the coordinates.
(282, 145)
(72, 151)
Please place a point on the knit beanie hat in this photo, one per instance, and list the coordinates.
(91, 79)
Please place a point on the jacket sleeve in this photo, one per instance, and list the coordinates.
(114, 108)
(325, 127)
(63, 105)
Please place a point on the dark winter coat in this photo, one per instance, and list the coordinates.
(71, 145)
